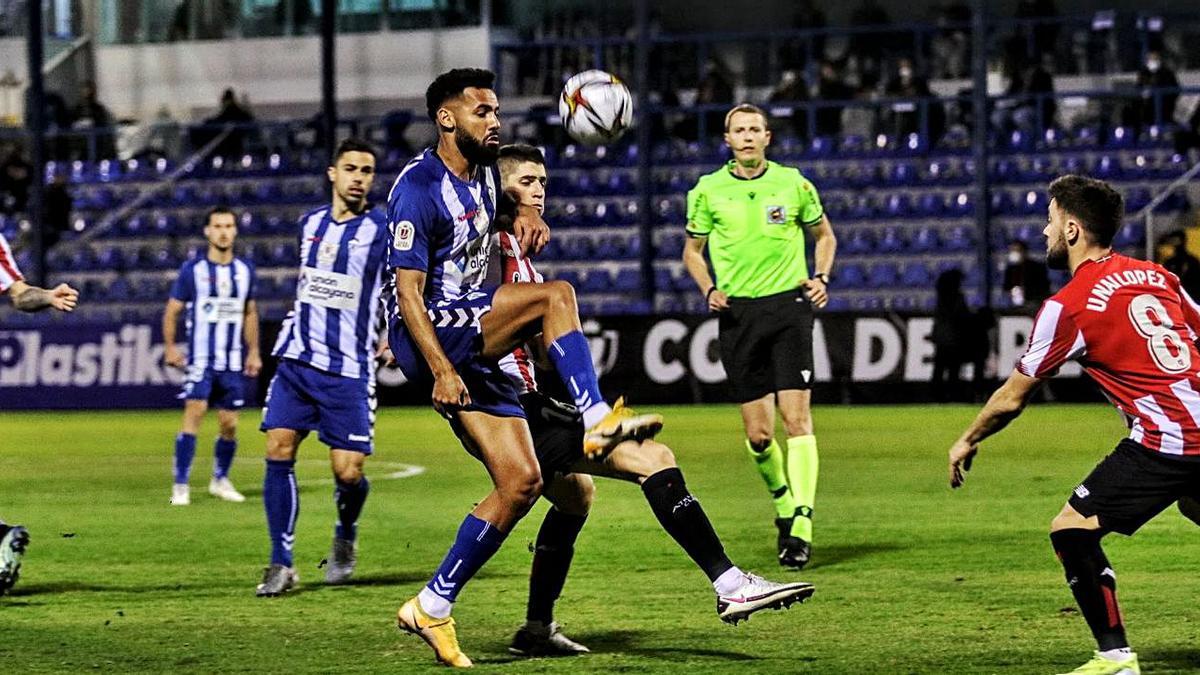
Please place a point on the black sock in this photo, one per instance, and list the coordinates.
(551, 562)
(682, 517)
(1093, 583)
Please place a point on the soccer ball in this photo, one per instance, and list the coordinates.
(595, 107)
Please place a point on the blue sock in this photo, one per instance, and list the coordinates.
(573, 362)
(223, 453)
(477, 541)
(281, 498)
(349, 500)
(185, 450)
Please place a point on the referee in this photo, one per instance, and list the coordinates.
(757, 214)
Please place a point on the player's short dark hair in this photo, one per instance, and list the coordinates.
(218, 210)
(352, 145)
(1096, 205)
(452, 83)
(747, 108)
(522, 152)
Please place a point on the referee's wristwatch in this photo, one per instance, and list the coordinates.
(822, 277)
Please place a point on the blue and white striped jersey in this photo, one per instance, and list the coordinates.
(334, 324)
(441, 225)
(215, 297)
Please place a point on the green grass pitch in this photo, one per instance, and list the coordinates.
(911, 577)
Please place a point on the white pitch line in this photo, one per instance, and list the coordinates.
(402, 470)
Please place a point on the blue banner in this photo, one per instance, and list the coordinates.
(86, 366)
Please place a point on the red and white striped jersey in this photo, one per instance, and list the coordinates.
(1132, 327)
(9, 274)
(515, 267)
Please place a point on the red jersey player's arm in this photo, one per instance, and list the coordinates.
(1191, 311)
(1004, 406)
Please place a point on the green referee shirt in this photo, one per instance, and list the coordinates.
(755, 228)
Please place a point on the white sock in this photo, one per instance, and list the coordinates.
(433, 604)
(1119, 655)
(729, 581)
(595, 413)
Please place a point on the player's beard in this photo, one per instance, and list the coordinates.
(476, 152)
(1056, 254)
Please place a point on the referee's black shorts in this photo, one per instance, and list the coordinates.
(766, 344)
(1132, 485)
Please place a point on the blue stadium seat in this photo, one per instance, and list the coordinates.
(925, 240)
(892, 241)
(1108, 167)
(1130, 235)
(851, 275)
(901, 173)
(1120, 138)
(897, 206)
(860, 241)
(930, 205)
(959, 239)
(915, 275)
(1002, 203)
(627, 280)
(1086, 137)
(597, 281)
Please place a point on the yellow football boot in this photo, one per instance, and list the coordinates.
(1102, 666)
(437, 633)
(620, 424)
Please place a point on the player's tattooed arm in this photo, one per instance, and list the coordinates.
(449, 391)
(1004, 406)
(29, 298)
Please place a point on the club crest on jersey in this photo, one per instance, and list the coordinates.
(327, 253)
(404, 236)
(777, 215)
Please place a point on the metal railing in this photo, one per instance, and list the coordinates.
(1147, 212)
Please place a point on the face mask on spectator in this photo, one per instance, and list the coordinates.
(1014, 257)
(906, 73)
(1152, 65)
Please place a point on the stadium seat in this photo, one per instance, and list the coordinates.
(883, 275)
(851, 276)
(597, 281)
(627, 280)
(925, 240)
(915, 275)
(891, 241)
(860, 241)
(1120, 138)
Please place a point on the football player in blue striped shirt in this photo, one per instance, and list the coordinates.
(326, 376)
(446, 328)
(215, 294)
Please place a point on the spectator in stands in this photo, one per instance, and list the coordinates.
(1024, 106)
(904, 117)
(1042, 32)
(90, 116)
(791, 89)
(808, 17)
(56, 214)
(1173, 254)
(952, 320)
(868, 48)
(301, 16)
(952, 46)
(1189, 136)
(715, 86)
(831, 87)
(1026, 281)
(1153, 78)
(15, 178)
(232, 114)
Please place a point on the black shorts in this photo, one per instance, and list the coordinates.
(766, 344)
(1132, 485)
(557, 431)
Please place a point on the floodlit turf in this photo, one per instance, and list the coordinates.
(911, 577)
